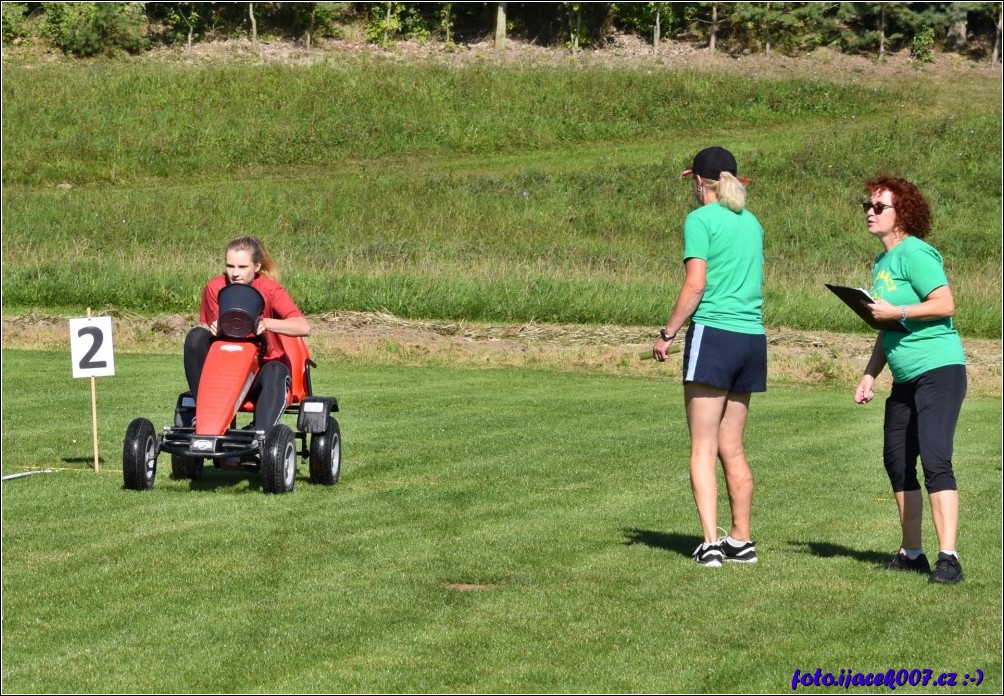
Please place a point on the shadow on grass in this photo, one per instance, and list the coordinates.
(216, 478)
(824, 549)
(683, 544)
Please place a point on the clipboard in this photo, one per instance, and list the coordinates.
(858, 299)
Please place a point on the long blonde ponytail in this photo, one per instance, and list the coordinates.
(731, 192)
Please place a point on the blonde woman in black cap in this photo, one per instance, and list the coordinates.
(725, 348)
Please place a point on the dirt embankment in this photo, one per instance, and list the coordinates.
(621, 50)
(809, 358)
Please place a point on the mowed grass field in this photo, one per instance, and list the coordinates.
(494, 530)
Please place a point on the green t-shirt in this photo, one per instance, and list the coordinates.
(732, 245)
(905, 275)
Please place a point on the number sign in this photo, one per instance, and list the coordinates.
(91, 347)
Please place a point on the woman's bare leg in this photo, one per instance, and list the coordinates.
(705, 406)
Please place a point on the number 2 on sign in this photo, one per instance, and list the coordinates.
(91, 347)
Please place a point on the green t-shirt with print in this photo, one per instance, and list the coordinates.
(732, 245)
(905, 275)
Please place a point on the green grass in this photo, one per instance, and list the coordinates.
(477, 193)
(563, 497)
(113, 122)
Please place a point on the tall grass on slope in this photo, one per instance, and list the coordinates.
(115, 122)
(584, 236)
(462, 193)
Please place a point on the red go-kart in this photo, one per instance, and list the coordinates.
(209, 429)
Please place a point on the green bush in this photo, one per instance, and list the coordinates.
(384, 22)
(327, 16)
(389, 21)
(15, 22)
(88, 29)
(922, 48)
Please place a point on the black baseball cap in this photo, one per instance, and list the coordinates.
(710, 162)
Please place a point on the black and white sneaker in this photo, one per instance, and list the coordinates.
(947, 570)
(709, 554)
(900, 561)
(744, 553)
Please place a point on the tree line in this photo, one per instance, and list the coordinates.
(88, 29)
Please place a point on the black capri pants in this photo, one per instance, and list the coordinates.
(920, 420)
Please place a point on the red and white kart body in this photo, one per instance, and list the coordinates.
(209, 429)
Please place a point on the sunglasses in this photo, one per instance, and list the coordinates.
(879, 208)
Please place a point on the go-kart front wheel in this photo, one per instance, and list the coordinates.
(139, 456)
(278, 460)
(326, 455)
(183, 467)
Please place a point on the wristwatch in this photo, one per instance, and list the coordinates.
(665, 336)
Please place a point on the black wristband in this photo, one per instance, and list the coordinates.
(665, 336)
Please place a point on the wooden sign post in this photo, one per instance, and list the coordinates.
(92, 355)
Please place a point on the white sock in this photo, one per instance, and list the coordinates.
(733, 542)
(950, 553)
(911, 553)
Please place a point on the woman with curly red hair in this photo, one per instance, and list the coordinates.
(928, 368)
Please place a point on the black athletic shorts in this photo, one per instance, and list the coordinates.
(728, 360)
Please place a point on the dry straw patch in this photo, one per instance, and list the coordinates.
(620, 50)
(807, 358)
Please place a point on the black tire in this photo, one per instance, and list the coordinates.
(326, 455)
(278, 460)
(139, 456)
(183, 467)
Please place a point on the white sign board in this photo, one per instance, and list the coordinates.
(91, 347)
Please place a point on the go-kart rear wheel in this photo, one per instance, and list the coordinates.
(278, 460)
(139, 456)
(326, 455)
(183, 467)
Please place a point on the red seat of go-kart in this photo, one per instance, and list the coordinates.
(296, 358)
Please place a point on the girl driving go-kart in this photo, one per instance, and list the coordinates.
(246, 357)
(248, 263)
